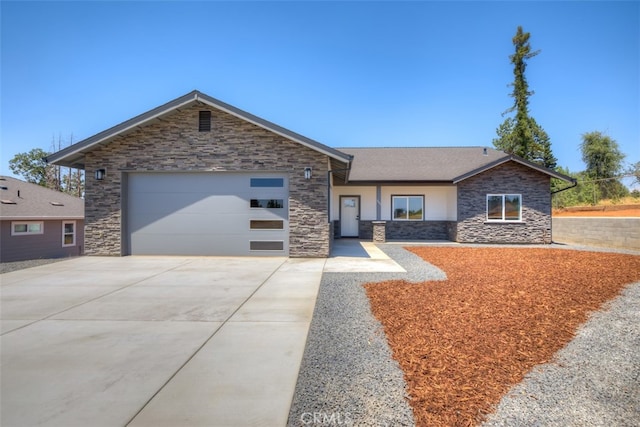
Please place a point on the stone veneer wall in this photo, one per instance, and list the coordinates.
(410, 230)
(174, 144)
(508, 178)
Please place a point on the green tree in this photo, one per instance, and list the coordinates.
(586, 192)
(522, 135)
(634, 170)
(32, 167)
(604, 159)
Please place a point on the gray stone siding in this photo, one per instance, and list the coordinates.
(174, 144)
(409, 230)
(365, 230)
(509, 178)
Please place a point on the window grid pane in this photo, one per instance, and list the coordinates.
(260, 224)
(415, 208)
(494, 207)
(267, 203)
(400, 208)
(267, 182)
(512, 207)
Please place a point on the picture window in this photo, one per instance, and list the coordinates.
(504, 207)
(408, 208)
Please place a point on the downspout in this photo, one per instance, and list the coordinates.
(574, 183)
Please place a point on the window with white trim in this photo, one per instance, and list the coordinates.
(504, 207)
(25, 228)
(68, 233)
(407, 208)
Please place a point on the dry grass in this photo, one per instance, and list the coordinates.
(464, 342)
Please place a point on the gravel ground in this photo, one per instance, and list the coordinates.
(593, 381)
(348, 376)
(7, 267)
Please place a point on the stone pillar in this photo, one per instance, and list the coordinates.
(379, 231)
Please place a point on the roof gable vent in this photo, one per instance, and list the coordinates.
(204, 122)
(7, 202)
(57, 203)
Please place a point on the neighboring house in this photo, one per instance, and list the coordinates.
(36, 222)
(197, 176)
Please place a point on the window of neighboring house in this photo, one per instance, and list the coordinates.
(504, 207)
(68, 233)
(25, 228)
(408, 208)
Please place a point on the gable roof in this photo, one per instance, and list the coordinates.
(22, 200)
(432, 164)
(73, 156)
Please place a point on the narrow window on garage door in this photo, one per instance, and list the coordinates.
(269, 213)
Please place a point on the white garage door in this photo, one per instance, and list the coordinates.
(207, 214)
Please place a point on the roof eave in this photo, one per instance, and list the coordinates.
(516, 159)
(78, 150)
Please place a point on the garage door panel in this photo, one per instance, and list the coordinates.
(212, 215)
(212, 183)
(172, 244)
(195, 224)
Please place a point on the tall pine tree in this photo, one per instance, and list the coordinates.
(522, 135)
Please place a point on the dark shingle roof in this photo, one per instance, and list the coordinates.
(428, 164)
(23, 200)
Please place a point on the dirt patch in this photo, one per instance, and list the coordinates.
(464, 342)
(599, 211)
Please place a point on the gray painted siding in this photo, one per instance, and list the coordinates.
(509, 178)
(46, 245)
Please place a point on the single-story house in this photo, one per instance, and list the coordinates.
(37, 222)
(197, 176)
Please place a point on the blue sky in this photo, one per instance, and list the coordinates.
(343, 73)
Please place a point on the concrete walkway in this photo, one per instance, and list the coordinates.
(154, 341)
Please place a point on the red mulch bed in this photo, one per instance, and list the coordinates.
(464, 342)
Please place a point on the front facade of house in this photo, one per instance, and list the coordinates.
(36, 222)
(200, 177)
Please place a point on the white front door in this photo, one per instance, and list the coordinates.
(349, 216)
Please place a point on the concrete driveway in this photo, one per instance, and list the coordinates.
(154, 341)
